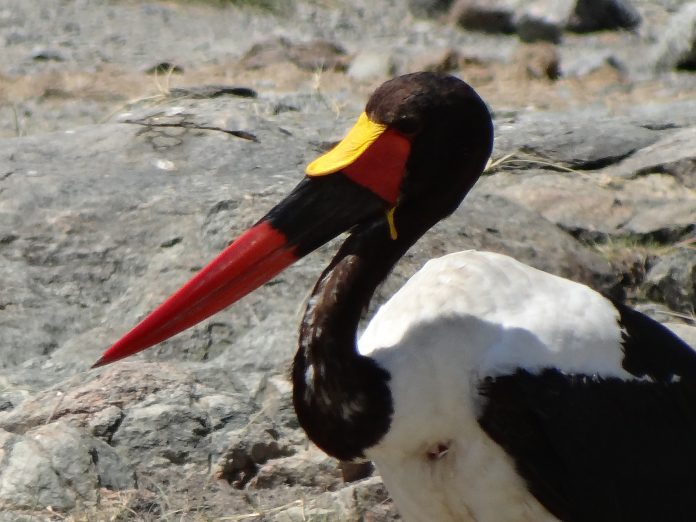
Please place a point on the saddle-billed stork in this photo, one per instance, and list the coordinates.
(484, 390)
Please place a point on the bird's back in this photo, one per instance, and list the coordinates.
(523, 376)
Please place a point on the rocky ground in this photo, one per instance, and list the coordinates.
(138, 138)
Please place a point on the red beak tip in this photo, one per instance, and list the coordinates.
(101, 362)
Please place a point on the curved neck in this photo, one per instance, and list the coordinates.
(342, 398)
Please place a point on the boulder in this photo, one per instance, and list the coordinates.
(597, 15)
(672, 279)
(673, 154)
(676, 47)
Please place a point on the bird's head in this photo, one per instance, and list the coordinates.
(410, 159)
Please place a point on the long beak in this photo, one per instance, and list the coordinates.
(317, 210)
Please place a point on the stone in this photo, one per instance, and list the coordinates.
(489, 16)
(45, 55)
(585, 63)
(242, 453)
(664, 221)
(597, 15)
(163, 68)
(364, 500)
(429, 8)
(371, 64)
(543, 20)
(664, 115)
(490, 221)
(316, 55)
(58, 466)
(650, 209)
(311, 468)
(676, 47)
(672, 279)
(212, 91)
(673, 154)
(539, 61)
(570, 139)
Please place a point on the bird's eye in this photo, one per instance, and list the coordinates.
(407, 125)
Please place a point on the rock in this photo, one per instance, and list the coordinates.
(673, 154)
(538, 61)
(572, 139)
(597, 15)
(156, 422)
(676, 48)
(163, 68)
(58, 466)
(316, 55)
(72, 259)
(652, 209)
(581, 64)
(45, 55)
(543, 20)
(534, 28)
(443, 60)
(370, 65)
(489, 221)
(312, 468)
(212, 91)
(364, 500)
(245, 451)
(162, 434)
(664, 221)
(429, 8)
(672, 280)
(488, 16)
(666, 115)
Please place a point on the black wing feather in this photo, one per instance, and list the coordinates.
(595, 449)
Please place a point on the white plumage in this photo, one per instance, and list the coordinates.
(461, 318)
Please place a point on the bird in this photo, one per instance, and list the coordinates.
(484, 389)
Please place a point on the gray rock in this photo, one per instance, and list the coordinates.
(676, 48)
(663, 115)
(651, 209)
(489, 221)
(486, 16)
(429, 8)
(243, 452)
(572, 139)
(58, 466)
(664, 221)
(534, 28)
(543, 20)
(672, 280)
(370, 65)
(596, 15)
(312, 468)
(364, 500)
(47, 55)
(163, 433)
(673, 154)
(317, 55)
(581, 64)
